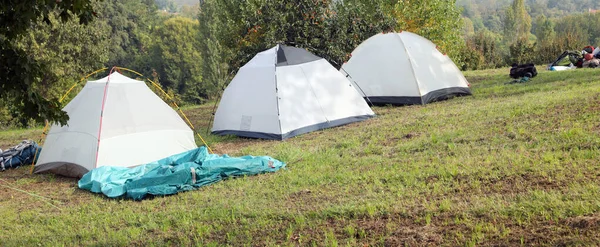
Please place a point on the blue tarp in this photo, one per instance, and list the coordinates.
(181, 172)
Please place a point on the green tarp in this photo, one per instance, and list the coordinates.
(181, 172)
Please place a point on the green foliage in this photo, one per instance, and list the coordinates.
(522, 51)
(317, 26)
(547, 44)
(166, 5)
(472, 58)
(544, 30)
(190, 11)
(583, 26)
(436, 20)
(562, 30)
(220, 25)
(130, 23)
(23, 77)
(487, 9)
(354, 22)
(20, 14)
(233, 32)
(482, 51)
(178, 60)
(299, 23)
(68, 50)
(468, 28)
(517, 23)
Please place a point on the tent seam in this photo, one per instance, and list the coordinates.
(313, 91)
(277, 88)
(102, 116)
(412, 67)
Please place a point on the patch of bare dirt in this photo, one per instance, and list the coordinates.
(38, 189)
(419, 236)
(234, 146)
(505, 185)
(584, 222)
(299, 195)
(309, 200)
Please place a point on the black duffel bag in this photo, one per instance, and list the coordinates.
(523, 70)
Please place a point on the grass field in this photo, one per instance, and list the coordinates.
(515, 164)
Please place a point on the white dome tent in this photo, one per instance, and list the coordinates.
(114, 121)
(286, 91)
(403, 68)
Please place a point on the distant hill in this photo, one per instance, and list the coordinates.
(489, 13)
(180, 3)
(550, 8)
(176, 6)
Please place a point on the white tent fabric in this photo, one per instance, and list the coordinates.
(403, 68)
(114, 121)
(286, 91)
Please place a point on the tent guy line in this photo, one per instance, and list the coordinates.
(44, 199)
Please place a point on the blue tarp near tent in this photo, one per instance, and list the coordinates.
(181, 172)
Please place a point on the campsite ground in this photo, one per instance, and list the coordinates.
(515, 164)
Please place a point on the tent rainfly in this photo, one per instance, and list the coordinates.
(114, 121)
(286, 91)
(403, 69)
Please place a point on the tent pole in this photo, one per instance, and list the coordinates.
(102, 113)
(183, 114)
(174, 104)
(212, 116)
(355, 83)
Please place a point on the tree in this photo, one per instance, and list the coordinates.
(232, 32)
(485, 43)
(190, 11)
(468, 28)
(220, 27)
(130, 23)
(20, 73)
(544, 30)
(354, 22)
(517, 22)
(166, 5)
(68, 50)
(436, 20)
(178, 58)
(546, 45)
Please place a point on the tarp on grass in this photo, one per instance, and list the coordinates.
(182, 172)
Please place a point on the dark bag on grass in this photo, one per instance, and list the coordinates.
(523, 70)
(19, 155)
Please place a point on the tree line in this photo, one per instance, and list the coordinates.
(59, 42)
(194, 51)
(501, 32)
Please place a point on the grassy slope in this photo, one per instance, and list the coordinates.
(512, 165)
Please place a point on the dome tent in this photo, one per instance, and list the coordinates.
(114, 121)
(286, 91)
(403, 68)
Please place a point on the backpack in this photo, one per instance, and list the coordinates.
(18, 155)
(523, 70)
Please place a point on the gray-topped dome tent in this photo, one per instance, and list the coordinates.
(287, 91)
